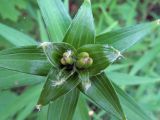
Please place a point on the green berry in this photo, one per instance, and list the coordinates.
(69, 60)
(69, 53)
(80, 63)
(84, 62)
(90, 62)
(83, 55)
(63, 61)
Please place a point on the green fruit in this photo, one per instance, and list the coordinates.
(69, 60)
(83, 55)
(63, 61)
(80, 63)
(84, 63)
(90, 61)
(69, 53)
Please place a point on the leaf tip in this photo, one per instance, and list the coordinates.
(91, 113)
(158, 22)
(38, 107)
(44, 44)
(89, 1)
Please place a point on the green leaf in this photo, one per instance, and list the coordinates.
(54, 52)
(27, 110)
(102, 55)
(42, 114)
(81, 30)
(126, 37)
(42, 29)
(132, 110)
(30, 59)
(55, 17)
(6, 99)
(10, 79)
(81, 112)
(59, 82)
(125, 79)
(145, 60)
(20, 102)
(8, 10)
(103, 94)
(63, 108)
(15, 37)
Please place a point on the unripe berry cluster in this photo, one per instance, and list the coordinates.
(82, 61)
(67, 58)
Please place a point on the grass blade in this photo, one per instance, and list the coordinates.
(55, 17)
(126, 37)
(82, 30)
(15, 37)
(63, 108)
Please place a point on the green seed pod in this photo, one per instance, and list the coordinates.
(63, 61)
(69, 60)
(69, 53)
(80, 63)
(83, 55)
(84, 62)
(90, 62)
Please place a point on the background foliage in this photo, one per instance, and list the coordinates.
(138, 73)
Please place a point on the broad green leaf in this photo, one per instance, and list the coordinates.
(81, 112)
(54, 52)
(20, 102)
(102, 55)
(81, 30)
(10, 79)
(125, 79)
(42, 114)
(42, 29)
(6, 99)
(27, 110)
(15, 37)
(145, 60)
(66, 3)
(126, 37)
(30, 59)
(64, 107)
(59, 82)
(8, 9)
(131, 108)
(103, 94)
(55, 17)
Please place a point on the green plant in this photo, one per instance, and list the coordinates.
(73, 62)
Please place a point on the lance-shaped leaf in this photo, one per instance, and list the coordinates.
(104, 95)
(55, 17)
(15, 37)
(63, 108)
(59, 82)
(126, 37)
(132, 109)
(31, 60)
(54, 51)
(102, 55)
(16, 105)
(81, 112)
(81, 30)
(10, 79)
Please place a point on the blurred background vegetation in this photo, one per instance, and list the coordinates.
(138, 73)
